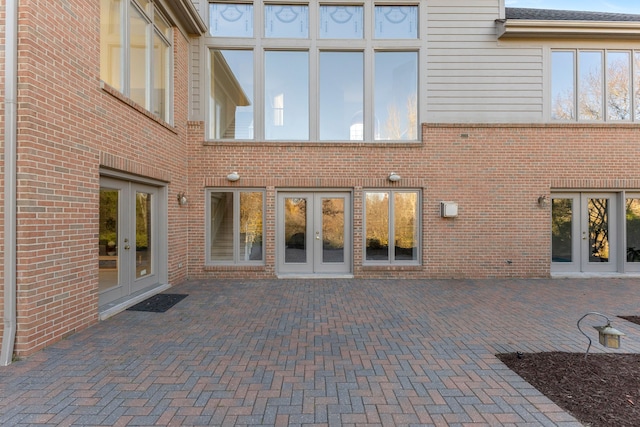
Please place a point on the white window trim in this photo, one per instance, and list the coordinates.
(419, 243)
(236, 220)
(634, 102)
(149, 73)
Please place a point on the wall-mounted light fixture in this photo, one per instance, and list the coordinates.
(543, 201)
(233, 176)
(607, 335)
(394, 177)
(182, 199)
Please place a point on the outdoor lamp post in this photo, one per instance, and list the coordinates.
(608, 336)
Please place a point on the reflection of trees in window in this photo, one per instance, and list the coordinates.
(333, 223)
(250, 226)
(143, 220)
(561, 228)
(392, 222)
(599, 229)
(636, 83)
(393, 125)
(108, 216)
(618, 86)
(633, 230)
(377, 225)
(295, 221)
(596, 87)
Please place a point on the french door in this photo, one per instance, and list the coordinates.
(587, 232)
(314, 233)
(128, 239)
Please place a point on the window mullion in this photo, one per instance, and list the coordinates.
(236, 226)
(125, 76)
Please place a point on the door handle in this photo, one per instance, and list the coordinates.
(317, 235)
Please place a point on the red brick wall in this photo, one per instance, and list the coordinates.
(494, 172)
(68, 127)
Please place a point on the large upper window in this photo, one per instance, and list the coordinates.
(135, 53)
(235, 227)
(595, 85)
(392, 227)
(310, 71)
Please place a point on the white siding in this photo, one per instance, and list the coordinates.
(473, 77)
(196, 109)
(196, 85)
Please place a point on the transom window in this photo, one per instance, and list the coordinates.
(235, 226)
(392, 225)
(595, 85)
(314, 72)
(135, 53)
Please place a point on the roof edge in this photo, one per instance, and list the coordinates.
(188, 15)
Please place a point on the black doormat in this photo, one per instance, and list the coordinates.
(158, 303)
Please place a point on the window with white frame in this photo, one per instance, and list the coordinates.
(136, 53)
(595, 85)
(235, 226)
(313, 71)
(392, 227)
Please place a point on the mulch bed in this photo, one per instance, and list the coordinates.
(602, 390)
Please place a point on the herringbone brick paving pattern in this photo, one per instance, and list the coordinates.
(318, 352)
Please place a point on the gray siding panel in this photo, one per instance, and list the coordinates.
(471, 76)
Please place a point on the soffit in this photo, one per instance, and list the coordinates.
(190, 19)
(527, 28)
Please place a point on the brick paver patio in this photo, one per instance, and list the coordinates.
(318, 352)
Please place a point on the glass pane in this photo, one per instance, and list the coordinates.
(341, 95)
(231, 98)
(290, 21)
(598, 230)
(333, 230)
(636, 83)
(162, 25)
(405, 226)
(108, 239)
(395, 93)
(295, 228)
(633, 230)
(561, 230)
(377, 226)
(619, 86)
(144, 4)
(221, 227)
(138, 58)
(230, 20)
(341, 22)
(250, 248)
(396, 22)
(143, 235)
(563, 86)
(111, 42)
(160, 78)
(286, 95)
(590, 86)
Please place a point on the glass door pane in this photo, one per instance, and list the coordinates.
(599, 250)
(333, 230)
(562, 230)
(598, 230)
(143, 235)
(295, 230)
(108, 238)
(632, 244)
